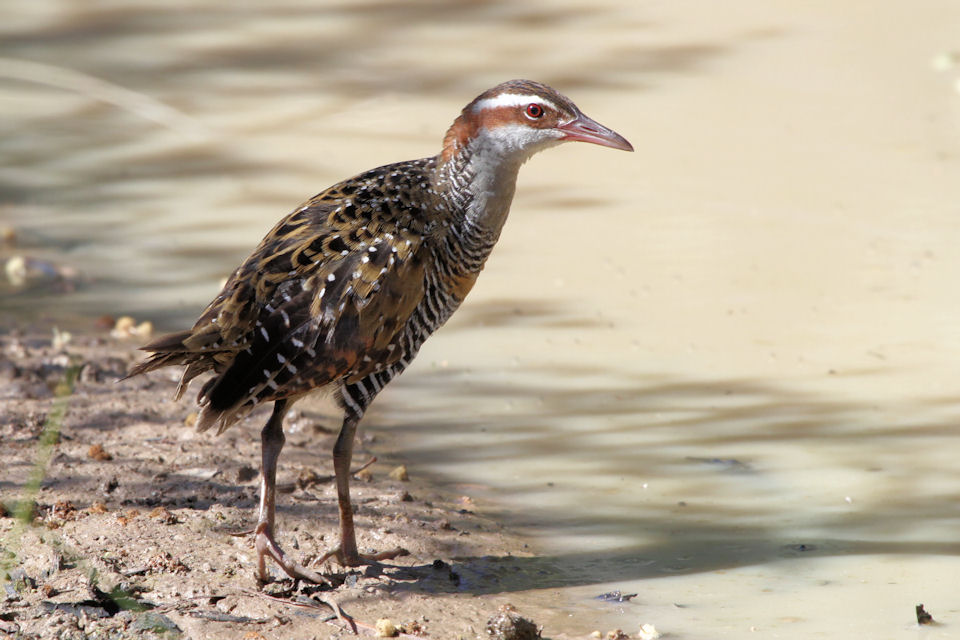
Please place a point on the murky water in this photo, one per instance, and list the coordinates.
(721, 373)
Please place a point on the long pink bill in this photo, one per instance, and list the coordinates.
(586, 129)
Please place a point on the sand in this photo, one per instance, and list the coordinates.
(135, 517)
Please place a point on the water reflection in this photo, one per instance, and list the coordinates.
(623, 475)
(150, 145)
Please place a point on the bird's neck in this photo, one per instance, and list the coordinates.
(478, 175)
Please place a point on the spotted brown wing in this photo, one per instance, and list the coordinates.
(321, 299)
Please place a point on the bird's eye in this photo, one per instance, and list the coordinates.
(534, 111)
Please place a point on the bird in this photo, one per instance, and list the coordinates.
(342, 292)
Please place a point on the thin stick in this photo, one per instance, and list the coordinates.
(133, 101)
(341, 615)
(364, 466)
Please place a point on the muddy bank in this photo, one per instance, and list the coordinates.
(133, 530)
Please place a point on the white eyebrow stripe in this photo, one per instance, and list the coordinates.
(511, 100)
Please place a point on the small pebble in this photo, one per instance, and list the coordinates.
(16, 270)
(386, 628)
(648, 632)
(364, 475)
(109, 485)
(97, 507)
(127, 327)
(309, 478)
(246, 473)
(97, 452)
(60, 339)
(510, 625)
(163, 515)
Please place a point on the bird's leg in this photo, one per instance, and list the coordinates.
(346, 554)
(342, 457)
(272, 439)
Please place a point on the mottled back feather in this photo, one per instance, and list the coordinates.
(324, 297)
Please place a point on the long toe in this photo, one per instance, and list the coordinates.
(361, 559)
(383, 555)
(332, 602)
(267, 547)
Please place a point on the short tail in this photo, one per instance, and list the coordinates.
(169, 351)
(172, 342)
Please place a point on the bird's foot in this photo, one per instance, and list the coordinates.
(267, 546)
(338, 611)
(361, 559)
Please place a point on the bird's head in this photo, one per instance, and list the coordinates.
(518, 118)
